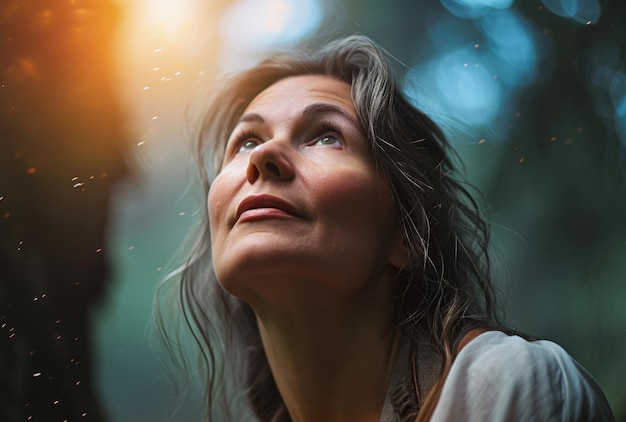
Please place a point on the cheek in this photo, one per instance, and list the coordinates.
(217, 203)
(213, 205)
(212, 213)
(358, 198)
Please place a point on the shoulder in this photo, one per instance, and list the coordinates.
(502, 377)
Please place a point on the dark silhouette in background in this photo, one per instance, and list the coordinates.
(60, 154)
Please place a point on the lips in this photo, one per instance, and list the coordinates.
(267, 206)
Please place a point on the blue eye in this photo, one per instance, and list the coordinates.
(248, 146)
(328, 140)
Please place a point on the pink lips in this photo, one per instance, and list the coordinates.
(255, 207)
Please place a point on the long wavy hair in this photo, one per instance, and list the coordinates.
(441, 294)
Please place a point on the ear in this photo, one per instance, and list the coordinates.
(399, 255)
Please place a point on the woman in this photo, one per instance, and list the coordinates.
(347, 275)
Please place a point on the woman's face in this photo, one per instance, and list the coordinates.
(298, 201)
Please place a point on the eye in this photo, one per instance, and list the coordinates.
(328, 140)
(328, 133)
(243, 141)
(248, 145)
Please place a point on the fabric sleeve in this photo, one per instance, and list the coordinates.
(498, 377)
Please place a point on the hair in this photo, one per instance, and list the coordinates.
(441, 294)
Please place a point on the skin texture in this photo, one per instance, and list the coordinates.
(303, 229)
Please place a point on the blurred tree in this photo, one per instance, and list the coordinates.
(60, 153)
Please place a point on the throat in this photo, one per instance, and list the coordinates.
(330, 367)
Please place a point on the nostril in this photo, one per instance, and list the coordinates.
(252, 174)
(272, 168)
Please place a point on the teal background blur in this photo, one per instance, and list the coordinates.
(532, 94)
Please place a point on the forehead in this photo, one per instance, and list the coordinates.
(293, 91)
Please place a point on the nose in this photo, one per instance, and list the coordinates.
(269, 161)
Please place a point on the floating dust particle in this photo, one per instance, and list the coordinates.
(31, 170)
(482, 141)
(521, 160)
(553, 139)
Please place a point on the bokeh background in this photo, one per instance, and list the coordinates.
(99, 104)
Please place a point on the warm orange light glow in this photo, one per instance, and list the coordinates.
(163, 45)
(165, 15)
(28, 68)
(46, 17)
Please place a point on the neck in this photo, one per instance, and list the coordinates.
(331, 362)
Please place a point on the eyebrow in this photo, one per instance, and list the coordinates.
(309, 112)
(323, 108)
(252, 118)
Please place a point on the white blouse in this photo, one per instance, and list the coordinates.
(497, 377)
